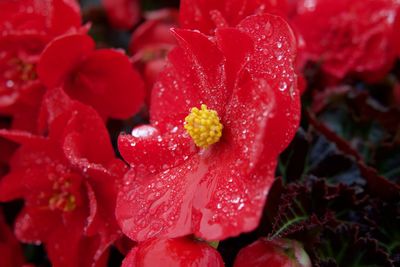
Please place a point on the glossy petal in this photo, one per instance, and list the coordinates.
(158, 152)
(181, 252)
(274, 60)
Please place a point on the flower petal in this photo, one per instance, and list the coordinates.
(61, 57)
(107, 81)
(159, 205)
(148, 151)
(195, 75)
(274, 60)
(173, 252)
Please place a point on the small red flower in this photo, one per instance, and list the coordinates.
(182, 252)
(278, 252)
(69, 183)
(175, 188)
(207, 15)
(349, 37)
(123, 14)
(103, 78)
(25, 29)
(151, 43)
(10, 249)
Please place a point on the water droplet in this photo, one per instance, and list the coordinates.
(282, 86)
(9, 84)
(143, 131)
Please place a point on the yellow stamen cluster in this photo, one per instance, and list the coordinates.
(63, 202)
(204, 126)
(62, 198)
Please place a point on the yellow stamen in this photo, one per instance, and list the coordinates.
(204, 126)
(62, 199)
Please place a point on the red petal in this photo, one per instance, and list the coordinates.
(122, 14)
(148, 151)
(10, 250)
(54, 112)
(228, 200)
(66, 244)
(195, 75)
(86, 140)
(21, 137)
(237, 55)
(274, 60)
(61, 57)
(107, 81)
(155, 31)
(36, 224)
(66, 15)
(101, 220)
(160, 205)
(11, 187)
(212, 196)
(173, 252)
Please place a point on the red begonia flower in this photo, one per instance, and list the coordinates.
(278, 252)
(349, 37)
(219, 191)
(182, 252)
(10, 249)
(69, 183)
(123, 14)
(104, 78)
(151, 43)
(206, 15)
(25, 29)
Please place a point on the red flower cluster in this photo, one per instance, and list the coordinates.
(44, 47)
(349, 37)
(69, 180)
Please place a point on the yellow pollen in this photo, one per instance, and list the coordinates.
(204, 126)
(62, 199)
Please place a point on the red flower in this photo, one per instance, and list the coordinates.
(69, 182)
(10, 249)
(102, 78)
(278, 252)
(182, 252)
(123, 14)
(219, 191)
(207, 15)
(349, 37)
(25, 29)
(151, 43)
